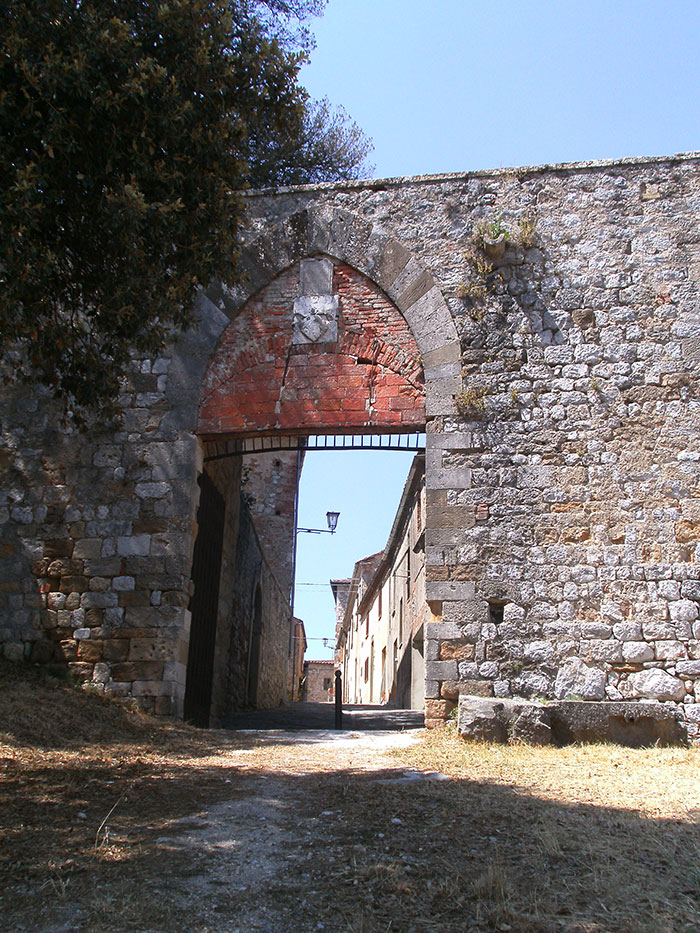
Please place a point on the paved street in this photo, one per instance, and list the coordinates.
(303, 716)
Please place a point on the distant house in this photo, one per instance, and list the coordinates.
(382, 611)
(318, 681)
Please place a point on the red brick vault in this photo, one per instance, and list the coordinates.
(319, 348)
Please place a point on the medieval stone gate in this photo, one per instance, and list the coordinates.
(553, 316)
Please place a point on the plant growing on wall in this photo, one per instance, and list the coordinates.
(492, 237)
(527, 230)
(470, 403)
(476, 287)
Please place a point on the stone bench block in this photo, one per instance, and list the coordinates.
(635, 724)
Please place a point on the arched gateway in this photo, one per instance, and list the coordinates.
(556, 379)
(328, 338)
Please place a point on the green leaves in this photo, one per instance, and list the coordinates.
(128, 130)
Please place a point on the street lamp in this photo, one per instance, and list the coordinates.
(331, 518)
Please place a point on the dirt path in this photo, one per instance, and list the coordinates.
(113, 822)
(264, 861)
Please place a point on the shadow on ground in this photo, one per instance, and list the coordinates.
(304, 716)
(267, 848)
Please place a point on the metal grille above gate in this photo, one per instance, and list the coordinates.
(218, 450)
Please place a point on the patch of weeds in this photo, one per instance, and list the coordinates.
(476, 291)
(102, 836)
(476, 287)
(548, 840)
(514, 396)
(527, 230)
(470, 403)
(58, 880)
(482, 266)
(492, 889)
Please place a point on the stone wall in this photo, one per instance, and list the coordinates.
(270, 491)
(562, 464)
(563, 484)
(254, 576)
(296, 661)
(96, 541)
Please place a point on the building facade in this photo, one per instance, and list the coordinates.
(380, 635)
(297, 649)
(319, 681)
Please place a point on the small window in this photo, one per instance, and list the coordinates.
(496, 612)
(326, 683)
(366, 669)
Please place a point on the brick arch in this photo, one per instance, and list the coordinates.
(393, 270)
(268, 375)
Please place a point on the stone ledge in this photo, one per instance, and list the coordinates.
(443, 177)
(631, 723)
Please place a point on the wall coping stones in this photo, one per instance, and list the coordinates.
(438, 178)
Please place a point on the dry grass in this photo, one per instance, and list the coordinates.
(653, 782)
(95, 803)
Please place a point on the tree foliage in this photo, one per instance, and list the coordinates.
(128, 130)
(325, 146)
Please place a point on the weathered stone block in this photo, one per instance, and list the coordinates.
(90, 650)
(13, 650)
(115, 649)
(441, 670)
(481, 719)
(316, 276)
(449, 590)
(637, 651)
(43, 652)
(532, 726)
(137, 670)
(136, 545)
(656, 685)
(669, 650)
(438, 709)
(176, 671)
(577, 679)
(453, 689)
(151, 688)
(149, 649)
(456, 651)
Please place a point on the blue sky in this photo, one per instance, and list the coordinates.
(451, 86)
(455, 85)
